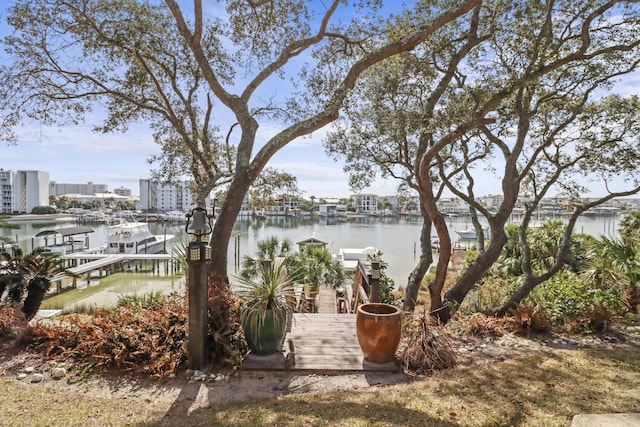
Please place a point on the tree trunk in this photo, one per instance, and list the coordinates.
(516, 298)
(221, 234)
(480, 237)
(437, 285)
(425, 260)
(530, 280)
(475, 271)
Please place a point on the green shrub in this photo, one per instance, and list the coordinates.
(140, 301)
(489, 293)
(576, 304)
(43, 210)
(387, 284)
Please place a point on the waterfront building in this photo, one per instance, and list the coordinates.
(286, 204)
(332, 210)
(365, 203)
(63, 189)
(6, 191)
(23, 190)
(123, 191)
(313, 240)
(162, 197)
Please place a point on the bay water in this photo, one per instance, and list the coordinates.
(397, 238)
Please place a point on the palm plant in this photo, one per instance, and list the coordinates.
(615, 260)
(29, 277)
(179, 256)
(268, 251)
(315, 266)
(12, 277)
(40, 271)
(268, 297)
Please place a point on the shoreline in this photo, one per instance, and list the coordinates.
(35, 218)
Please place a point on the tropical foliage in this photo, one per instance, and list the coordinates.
(267, 298)
(387, 284)
(615, 263)
(268, 250)
(313, 267)
(316, 267)
(25, 279)
(587, 294)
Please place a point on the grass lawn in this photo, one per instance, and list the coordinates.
(535, 390)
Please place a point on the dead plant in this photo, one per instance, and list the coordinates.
(597, 318)
(478, 325)
(427, 346)
(527, 318)
(151, 340)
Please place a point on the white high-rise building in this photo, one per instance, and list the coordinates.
(156, 196)
(89, 188)
(6, 191)
(23, 190)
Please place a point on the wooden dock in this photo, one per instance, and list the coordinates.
(85, 263)
(318, 342)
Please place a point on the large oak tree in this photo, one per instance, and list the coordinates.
(510, 93)
(205, 86)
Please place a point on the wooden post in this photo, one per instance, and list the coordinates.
(375, 281)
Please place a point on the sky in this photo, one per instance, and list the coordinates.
(78, 155)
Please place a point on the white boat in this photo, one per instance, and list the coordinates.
(135, 238)
(470, 233)
(174, 216)
(349, 257)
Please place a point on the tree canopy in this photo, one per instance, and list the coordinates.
(514, 89)
(203, 81)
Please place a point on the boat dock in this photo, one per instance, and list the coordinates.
(85, 263)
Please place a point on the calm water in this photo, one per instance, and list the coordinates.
(397, 238)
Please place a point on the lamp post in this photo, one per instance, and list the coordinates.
(198, 257)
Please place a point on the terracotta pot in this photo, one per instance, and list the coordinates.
(378, 327)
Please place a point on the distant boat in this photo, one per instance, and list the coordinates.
(470, 233)
(174, 216)
(259, 215)
(135, 238)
